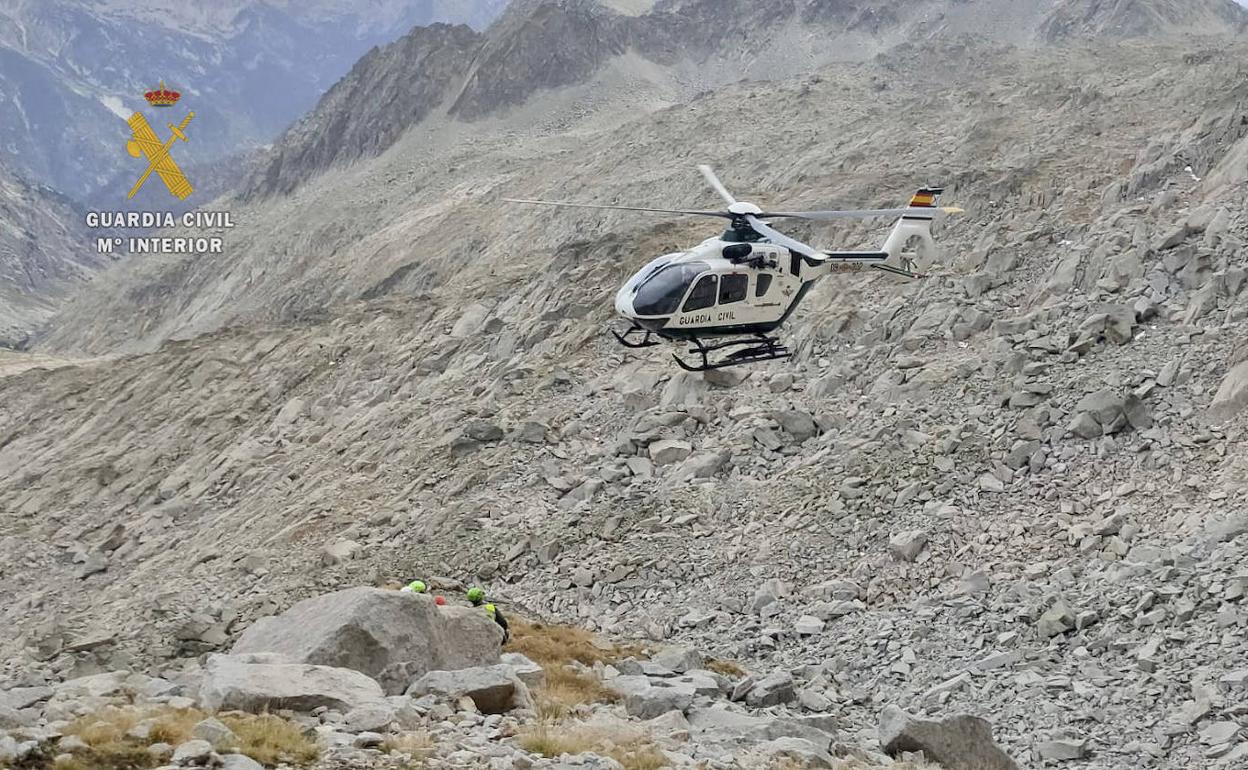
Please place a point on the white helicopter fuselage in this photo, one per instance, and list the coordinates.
(702, 292)
(688, 293)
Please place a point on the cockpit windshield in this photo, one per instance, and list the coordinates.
(662, 291)
(652, 267)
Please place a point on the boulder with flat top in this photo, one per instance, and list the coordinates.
(391, 636)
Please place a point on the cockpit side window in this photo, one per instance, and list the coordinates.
(764, 283)
(733, 288)
(703, 294)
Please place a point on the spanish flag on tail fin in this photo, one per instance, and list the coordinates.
(926, 197)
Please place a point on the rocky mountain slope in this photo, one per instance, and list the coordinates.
(667, 52)
(1014, 488)
(76, 70)
(1136, 19)
(44, 255)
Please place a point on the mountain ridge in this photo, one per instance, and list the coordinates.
(544, 45)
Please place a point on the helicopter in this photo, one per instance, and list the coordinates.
(726, 296)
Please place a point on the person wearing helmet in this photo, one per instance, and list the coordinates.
(476, 596)
(415, 587)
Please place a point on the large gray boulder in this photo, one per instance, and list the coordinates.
(1232, 395)
(533, 675)
(258, 683)
(961, 742)
(493, 689)
(392, 636)
(646, 698)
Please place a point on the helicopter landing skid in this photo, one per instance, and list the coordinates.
(748, 351)
(624, 339)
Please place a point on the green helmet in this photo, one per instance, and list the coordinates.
(476, 594)
(416, 587)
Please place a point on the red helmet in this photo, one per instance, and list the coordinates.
(439, 600)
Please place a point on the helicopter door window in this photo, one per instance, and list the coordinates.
(764, 283)
(703, 294)
(733, 288)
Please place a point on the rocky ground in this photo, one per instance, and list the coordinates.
(1015, 489)
(376, 678)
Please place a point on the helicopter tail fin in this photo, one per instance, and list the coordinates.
(916, 225)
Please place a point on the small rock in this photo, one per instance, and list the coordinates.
(907, 545)
(1058, 619)
(808, 625)
(239, 762)
(339, 551)
(369, 718)
(1218, 733)
(195, 753)
(679, 659)
(368, 740)
(669, 452)
(1062, 750)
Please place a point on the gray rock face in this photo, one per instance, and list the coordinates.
(195, 753)
(530, 673)
(647, 698)
(216, 733)
(8, 748)
(679, 659)
(1057, 619)
(371, 717)
(957, 743)
(669, 452)
(494, 689)
(239, 762)
(1062, 750)
(906, 546)
(24, 697)
(257, 682)
(43, 256)
(391, 636)
(772, 690)
(1232, 395)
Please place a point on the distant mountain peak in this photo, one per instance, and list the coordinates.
(1141, 18)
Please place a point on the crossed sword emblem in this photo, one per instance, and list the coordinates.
(146, 143)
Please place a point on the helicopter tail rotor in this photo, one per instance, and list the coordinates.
(916, 225)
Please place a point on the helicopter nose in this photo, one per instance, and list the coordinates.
(624, 303)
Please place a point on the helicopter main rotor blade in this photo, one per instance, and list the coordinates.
(717, 185)
(780, 239)
(721, 214)
(829, 216)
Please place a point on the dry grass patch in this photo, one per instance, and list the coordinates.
(728, 668)
(418, 744)
(566, 689)
(271, 740)
(550, 644)
(631, 749)
(110, 749)
(267, 739)
(561, 650)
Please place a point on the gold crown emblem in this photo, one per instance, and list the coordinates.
(162, 97)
